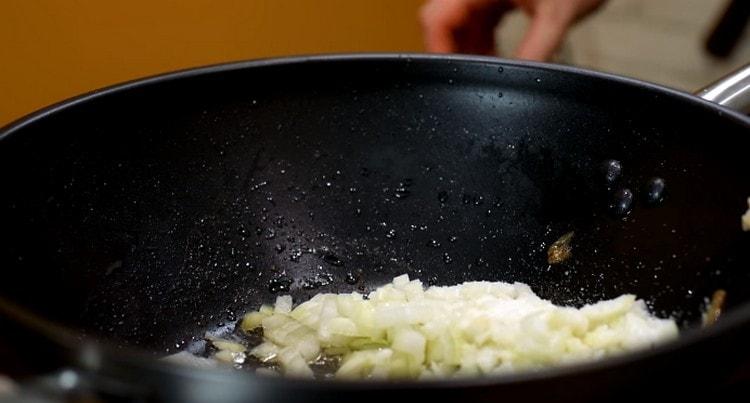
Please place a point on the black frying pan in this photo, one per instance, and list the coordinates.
(149, 213)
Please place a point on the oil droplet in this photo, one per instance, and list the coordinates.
(655, 190)
(447, 258)
(612, 170)
(351, 278)
(258, 186)
(270, 233)
(332, 259)
(402, 191)
(295, 255)
(622, 202)
(474, 199)
(279, 284)
(320, 280)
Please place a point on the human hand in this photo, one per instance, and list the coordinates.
(467, 26)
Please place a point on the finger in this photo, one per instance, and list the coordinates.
(440, 39)
(439, 20)
(544, 35)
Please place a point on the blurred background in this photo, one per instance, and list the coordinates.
(52, 49)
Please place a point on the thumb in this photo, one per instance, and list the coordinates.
(544, 35)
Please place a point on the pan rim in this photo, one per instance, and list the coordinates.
(27, 119)
(733, 320)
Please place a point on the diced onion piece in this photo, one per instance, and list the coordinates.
(227, 356)
(252, 320)
(409, 342)
(228, 345)
(401, 280)
(283, 304)
(266, 309)
(293, 363)
(265, 352)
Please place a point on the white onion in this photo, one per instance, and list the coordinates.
(402, 330)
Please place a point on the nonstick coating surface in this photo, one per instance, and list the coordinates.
(155, 212)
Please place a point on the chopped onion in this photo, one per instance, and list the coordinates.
(227, 345)
(402, 330)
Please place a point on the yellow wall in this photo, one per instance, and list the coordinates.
(54, 49)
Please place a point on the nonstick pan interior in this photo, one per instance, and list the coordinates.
(154, 212)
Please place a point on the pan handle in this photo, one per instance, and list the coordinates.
(732, 91)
